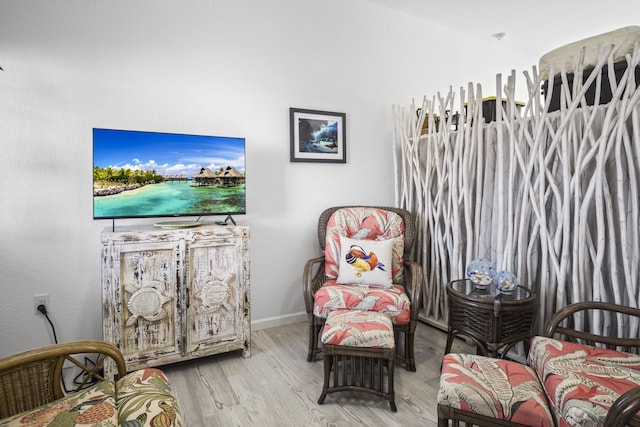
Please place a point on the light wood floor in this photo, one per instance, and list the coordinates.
(276, 386)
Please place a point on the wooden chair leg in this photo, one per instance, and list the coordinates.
(405, 341)
(328, 362)
(313, 343)
(409, 351)
(391, 392)
(315, 326)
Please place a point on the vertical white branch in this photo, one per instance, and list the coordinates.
(552, 196)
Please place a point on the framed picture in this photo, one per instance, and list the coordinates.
(318, 136)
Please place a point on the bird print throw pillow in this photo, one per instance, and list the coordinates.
(365, 262)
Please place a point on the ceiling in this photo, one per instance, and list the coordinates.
(531, 27)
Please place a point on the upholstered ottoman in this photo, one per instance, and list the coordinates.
(490, 392)
(357, 346)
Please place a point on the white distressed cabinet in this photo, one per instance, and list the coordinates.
(177, 294)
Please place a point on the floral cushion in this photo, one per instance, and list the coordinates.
(364, 223)
(145, 397)
(392, 301)
(358, 328)
(496, 388)
(582, 382)
(94, 406)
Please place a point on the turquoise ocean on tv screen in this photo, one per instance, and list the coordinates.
(167, 198)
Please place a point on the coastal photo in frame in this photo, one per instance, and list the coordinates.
(318, 136)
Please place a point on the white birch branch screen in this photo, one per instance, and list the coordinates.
(550, 196)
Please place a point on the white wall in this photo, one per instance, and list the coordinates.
(218, 67)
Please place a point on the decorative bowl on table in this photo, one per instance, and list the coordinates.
(481, 272)
(505, 281)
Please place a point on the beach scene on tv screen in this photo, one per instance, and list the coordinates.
(146, 174)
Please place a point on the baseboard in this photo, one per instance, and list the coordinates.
(272, 322)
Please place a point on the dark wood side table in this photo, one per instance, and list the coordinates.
(495, 322)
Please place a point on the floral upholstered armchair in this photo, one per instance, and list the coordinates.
(577, 374)
(32, 392)
(365, 266)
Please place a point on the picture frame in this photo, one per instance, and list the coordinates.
(318, 136)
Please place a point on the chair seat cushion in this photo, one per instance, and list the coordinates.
(357, 328)
(392, 301)
(583, 381)
(142, 398)
(93, 406)
(495, 388)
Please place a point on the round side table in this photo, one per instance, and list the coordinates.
(494, 321)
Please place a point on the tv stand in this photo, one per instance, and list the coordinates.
(226, 220)
(174, 295)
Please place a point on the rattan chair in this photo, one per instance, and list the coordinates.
(624, 411)
(314, 278)
(565, 324)
(34, 378)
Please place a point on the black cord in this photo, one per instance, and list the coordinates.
(42, 309)
(80, 377)
(77, 380)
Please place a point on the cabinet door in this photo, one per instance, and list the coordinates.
(216, 288)
(146, 281)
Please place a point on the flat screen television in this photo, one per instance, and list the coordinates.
(150, 174)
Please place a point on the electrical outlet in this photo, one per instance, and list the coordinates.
(40, 299)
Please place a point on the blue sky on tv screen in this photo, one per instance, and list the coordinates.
(166, 153)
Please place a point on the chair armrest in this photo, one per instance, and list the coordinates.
(33, 378)
(624, 409)
(562, 323)
(413, 286)
(312, 279)
(147, 392)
